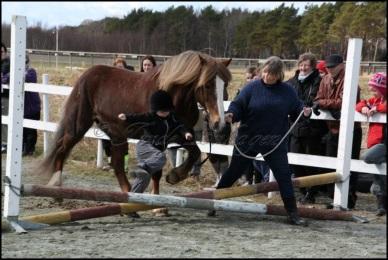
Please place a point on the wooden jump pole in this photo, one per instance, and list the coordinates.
(125, 208)
(143, 198)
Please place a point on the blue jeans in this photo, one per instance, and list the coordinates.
(376, 154)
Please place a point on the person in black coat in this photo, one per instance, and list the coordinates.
(306, 136)
(159, 126)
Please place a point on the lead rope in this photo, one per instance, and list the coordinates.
(273, 149)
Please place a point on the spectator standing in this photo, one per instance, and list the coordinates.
(306, 136)
(32, 106)
(147, 63)
(329, 97)
(377, 136)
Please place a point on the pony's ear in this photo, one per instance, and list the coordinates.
(226, 62)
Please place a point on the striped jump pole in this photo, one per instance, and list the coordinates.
(115, 196)
(125, 208)
(143, 198)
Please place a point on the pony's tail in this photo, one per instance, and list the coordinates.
(47, 167)
(76, 119)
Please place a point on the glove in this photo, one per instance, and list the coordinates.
(315, 108)
(336, 114)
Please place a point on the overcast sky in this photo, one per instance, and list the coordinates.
(51, 14)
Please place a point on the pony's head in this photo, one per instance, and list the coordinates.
(206, 75)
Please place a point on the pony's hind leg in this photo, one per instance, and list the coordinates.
(161, 212)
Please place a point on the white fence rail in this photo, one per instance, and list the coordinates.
(221, 149)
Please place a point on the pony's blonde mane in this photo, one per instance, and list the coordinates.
(190, 67)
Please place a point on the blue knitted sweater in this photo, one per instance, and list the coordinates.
(263, 111)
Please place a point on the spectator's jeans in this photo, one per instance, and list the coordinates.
(376, 154)
(4, 112)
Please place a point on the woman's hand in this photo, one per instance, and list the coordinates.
(365, 110)
(122, 116)
(307, 111)
(189, 136)
(229, 117)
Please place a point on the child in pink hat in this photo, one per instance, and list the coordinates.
(376, 144)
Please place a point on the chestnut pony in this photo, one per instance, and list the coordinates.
(102, 92)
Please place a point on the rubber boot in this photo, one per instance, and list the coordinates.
(292, 211)
(352, 198)
(381, 205)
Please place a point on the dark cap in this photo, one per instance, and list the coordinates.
(333, 60)
(162, 101)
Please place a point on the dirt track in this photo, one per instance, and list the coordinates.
(187, 233)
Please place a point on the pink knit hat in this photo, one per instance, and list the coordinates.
(379, 82)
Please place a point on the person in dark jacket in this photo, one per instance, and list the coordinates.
(159, 125)
(5, 68)
(263, 107)
(329, 97)
(32, 106)
(306, 136)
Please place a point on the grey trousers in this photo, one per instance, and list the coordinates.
(4, 112)
(151, 160)
(377, 154)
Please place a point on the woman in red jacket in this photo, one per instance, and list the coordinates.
(376, 144)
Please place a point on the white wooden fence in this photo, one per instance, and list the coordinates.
(343, 164)
(294, 158)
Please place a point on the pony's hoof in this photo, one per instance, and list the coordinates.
(56, 179)
(173, 177)
(162, 212)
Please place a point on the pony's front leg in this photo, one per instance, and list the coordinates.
(161, 212)
(117, 161)
(182, 172)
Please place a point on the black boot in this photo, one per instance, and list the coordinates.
(292, 211)
(352, 198)
(381, 205)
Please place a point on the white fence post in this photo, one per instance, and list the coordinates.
(46, 113)
(352, 70)
(15, 116)
(100, 155)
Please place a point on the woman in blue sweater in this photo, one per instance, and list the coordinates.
(263, 107)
